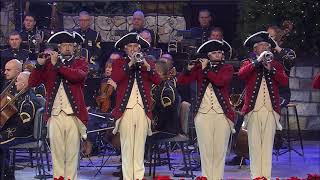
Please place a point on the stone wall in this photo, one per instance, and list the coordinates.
(165, 26)
(6, 20)
(306, 98)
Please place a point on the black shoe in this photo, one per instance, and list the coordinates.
(9, 174)
(117, 174)
(236, 161)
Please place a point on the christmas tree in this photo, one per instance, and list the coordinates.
(305, 15)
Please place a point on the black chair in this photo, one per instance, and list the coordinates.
(181, 140)
(37, 144)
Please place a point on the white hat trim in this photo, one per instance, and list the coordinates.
(207, 43)
(65, 32)
(245, 42)
(133, 33)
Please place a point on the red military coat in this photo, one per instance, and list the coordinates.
(124, 77)
(73, 74)
(220, 78)
(252, 72)
(316, 82)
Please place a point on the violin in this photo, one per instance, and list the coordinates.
(28, 66)
(104, 98)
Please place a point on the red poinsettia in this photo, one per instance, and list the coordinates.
(294, 178)
(162, 178)
(313, 177)
(201, 178)
(60, 178)
(260, 178)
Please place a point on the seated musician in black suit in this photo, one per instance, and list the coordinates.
(32, 37)
(202, 32)
(169, 60)
(18, 128)
(216, 33)
(138, 22)
(166, 122)
(151, 51)
(14, 51)
(11, 70)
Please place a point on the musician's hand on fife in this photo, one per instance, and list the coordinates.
(132, 61)
(54, 57)
(204, 62)
(146, 64)
(112, 83)
(260, 58)
(267, 65)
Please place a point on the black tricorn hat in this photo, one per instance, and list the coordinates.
(261, 36)
(131, 38)
(65, 37)
(228, 50)
(212, 45)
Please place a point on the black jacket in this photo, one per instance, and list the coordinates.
(10, 53)
(166, 102)
(21, 124)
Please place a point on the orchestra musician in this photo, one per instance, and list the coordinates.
(134, 76)
(12, 70)
(287, 58)
(202, 33)
(151, 51)
(217, 34)
(18, 128)
(92, 38)
(166, 101)
(15, 50)
(106, 95)
(31, 36)
(263, 76)
(169, 61)
(105, 103)
(214, 117)
(64, 75)
(138, 22)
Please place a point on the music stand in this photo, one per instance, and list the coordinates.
(186, 34)
(103, 161)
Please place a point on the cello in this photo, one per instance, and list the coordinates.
(8, 108)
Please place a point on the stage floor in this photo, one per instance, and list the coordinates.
(286, 166)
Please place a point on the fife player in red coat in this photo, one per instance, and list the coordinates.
(261, 108)
(214, 117)
(63, 77)
(134, 76)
